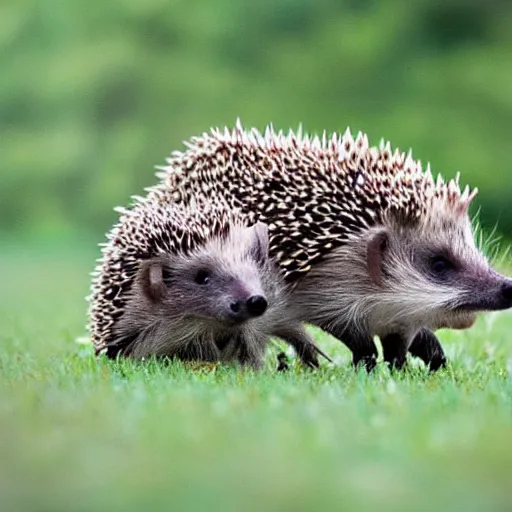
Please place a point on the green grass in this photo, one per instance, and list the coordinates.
(78, 434)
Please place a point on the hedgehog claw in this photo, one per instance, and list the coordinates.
(368, 362)
(437, 363)
(282, 360)
(309, 358)
(426, 346)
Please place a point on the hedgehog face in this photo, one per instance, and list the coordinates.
(203, 288)
(436, 272)
(220, 283)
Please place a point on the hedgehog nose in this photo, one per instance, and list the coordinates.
(256, 305)
(506, 293)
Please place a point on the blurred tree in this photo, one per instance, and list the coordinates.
(93, 95)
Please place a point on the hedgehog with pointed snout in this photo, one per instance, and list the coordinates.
(369, 242)
(192, 282)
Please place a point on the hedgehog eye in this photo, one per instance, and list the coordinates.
(440, 265)
(202, 277)
(166, 275)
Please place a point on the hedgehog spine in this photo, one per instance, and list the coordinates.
(330, 199)
(131, 312)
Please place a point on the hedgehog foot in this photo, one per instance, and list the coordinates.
(368, 362)
(426, 346)
(282, 362)
(303, 345)
(394, 347)
(364, 351)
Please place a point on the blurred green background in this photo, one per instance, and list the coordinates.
(94, 94)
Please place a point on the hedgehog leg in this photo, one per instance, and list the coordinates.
(394, 347)
(426, 346)
(303, 345)
(362, 346)
(249, 352)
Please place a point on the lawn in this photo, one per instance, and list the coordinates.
(80, 434)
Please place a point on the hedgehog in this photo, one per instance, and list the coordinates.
(369, 242)
(190, 282)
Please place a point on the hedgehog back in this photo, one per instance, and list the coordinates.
(147, 230)
(314, 194)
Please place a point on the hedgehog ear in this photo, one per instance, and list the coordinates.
(152, 277)
(259, 241)
(375, 249)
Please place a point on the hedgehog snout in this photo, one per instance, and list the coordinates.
(492, 294)
(256, 305)
(506, 294)
(241, 310)
(499, 294)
